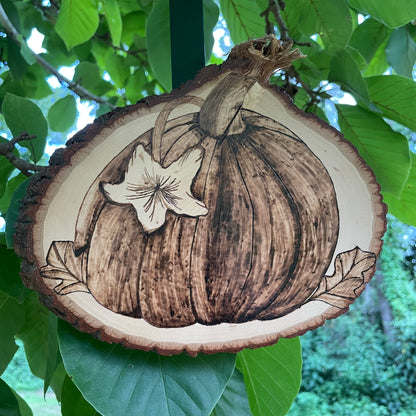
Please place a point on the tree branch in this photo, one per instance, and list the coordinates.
(275, 7)
(6, 150)
(74, 86)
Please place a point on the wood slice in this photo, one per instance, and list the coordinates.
(214, 218)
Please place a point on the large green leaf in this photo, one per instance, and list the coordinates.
(73, 403)
(330, 19)
(40, 342)
(401, 52)
(115, 24)
(6, 168)
(243, 19)
(24, 116)
(404, 207)
(12, 318)
(117, 69)
(62, 114)
(10, 282)
(77, 21)
(13, 211)
(158, 43)
(344, 70)
(272, 376)
(117, 381)
(11, 186)
(395, 97)
(234, 400)
(211, 13)
(88, 75)
(134, 24)
(17, 64)
(368, 36)
(24, 408)
(378, 64)
(9, 405)
(135, 85)
(392, 13)
(385, 151)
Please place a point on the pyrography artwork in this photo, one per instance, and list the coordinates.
(214, 218)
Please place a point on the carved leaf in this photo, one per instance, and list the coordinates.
(64, 265)
(349, 277)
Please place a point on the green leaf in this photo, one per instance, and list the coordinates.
(135, 85)
(77, 21)
(27, 54)
(13, 211)
(368, 37)
(117, 69)
(73, 403)
(62, 114)
(58, 379)
(134, 24)
(272, 376)
(404, 207)
(391, 13)
(34, 84)
(24, 116)
(117, 381)
(53, 358)
(12, 318)
(158, 43)
(331, 19)
(40, 342)
(344, 70)
(401, 52)
(243, 19)
(9, 405)
(385, 151)
(234, 400)
(10, 281)
(17, 64)
(6, 168)
(11, 186)
(88, 75)
(378, 64)
(395, 97)
(113, 17)
(211, 13)
(24, 408)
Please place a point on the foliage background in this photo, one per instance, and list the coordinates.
(118, 52)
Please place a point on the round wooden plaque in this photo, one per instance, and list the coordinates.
(214, 218)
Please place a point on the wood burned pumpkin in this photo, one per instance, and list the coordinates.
(211, 219)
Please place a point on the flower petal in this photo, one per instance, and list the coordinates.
(151, 215)
(188, 205)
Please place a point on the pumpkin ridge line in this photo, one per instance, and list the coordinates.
(248, 309)
(294, 137)
(295, 212)
(191, 298)
(240, 298)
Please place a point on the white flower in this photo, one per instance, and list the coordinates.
(153, 189)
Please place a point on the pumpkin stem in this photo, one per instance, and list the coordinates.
(259, 58)
(255, 61)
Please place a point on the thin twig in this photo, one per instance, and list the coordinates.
(74, 86)
(6, 150)
(276, 7)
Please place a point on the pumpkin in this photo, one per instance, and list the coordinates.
(214, 213)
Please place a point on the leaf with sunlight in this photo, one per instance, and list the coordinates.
(272, 376)
(118, 381)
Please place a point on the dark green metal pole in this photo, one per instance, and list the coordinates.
(186, 39)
